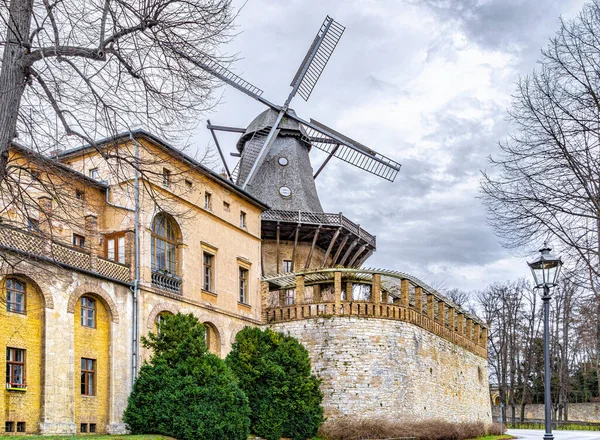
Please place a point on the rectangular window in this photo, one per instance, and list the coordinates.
(79, 194)
(88, 377)
(92, 428)
(78, 240)
(188, 183)
(226, 206)
(287, 266)
(208, 261)
(15, 296)
(88, 312)
(20, 426)
(94, 174)
(243, 220)
(9, 426)
(115, 248)
(33, 225)
(15, 368)
(208, 201)
(243, 285)
(83, 427)
(290, 297)
(166, 177)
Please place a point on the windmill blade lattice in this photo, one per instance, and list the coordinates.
(223, 73)
(317, 57)
(350, 151)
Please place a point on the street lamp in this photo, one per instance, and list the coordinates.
(545, 274)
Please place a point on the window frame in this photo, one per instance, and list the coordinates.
(10, 291)
(78, 241)
(243, 275)
(12, 364)
(290, 267)
(86, 374)
(94, 173)
(33, 225)
(166, 177)
(208, 269)
(90, 309)
(21, 427)
(9, 426)
(208, 201)
(243, 220)
(116, 238)
(290, 297)
(169, 243)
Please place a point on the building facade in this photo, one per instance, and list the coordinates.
(76, 303)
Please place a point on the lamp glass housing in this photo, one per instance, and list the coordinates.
(546, 268)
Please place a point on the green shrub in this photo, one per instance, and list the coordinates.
(274, 372)
(184, 391)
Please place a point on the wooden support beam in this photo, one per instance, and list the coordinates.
(404, 287)
(484, 337)
(451, 313)
(295, 245)
(339, 250)
(469, 329)
(299, 289)
(430, 306)
(356, 255)
(442, 313)
(337, 289)
(277, 247)
(312, 248)
(347, 254)
(362, 260)
(376, 292)
(331, 243)
(419, 299)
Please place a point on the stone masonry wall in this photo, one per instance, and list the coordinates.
(578, 412)
(377, 368)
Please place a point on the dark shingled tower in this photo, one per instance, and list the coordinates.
(284, 180)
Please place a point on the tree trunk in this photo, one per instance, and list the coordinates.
(12, 74)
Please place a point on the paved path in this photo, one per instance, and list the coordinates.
(534, 434)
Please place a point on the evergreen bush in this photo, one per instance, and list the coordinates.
(184, 391)
(274, 372)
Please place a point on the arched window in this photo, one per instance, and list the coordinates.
(164, 243)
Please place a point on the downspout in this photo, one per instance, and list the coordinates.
(134, 364)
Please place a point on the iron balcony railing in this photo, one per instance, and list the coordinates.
(320, 218)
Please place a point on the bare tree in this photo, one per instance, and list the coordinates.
(546, 180)
(75, 70)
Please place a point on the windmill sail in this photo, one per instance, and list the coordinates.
(317, 57)
(350, 151)
(209, 65)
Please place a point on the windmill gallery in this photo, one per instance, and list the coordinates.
(253, 247)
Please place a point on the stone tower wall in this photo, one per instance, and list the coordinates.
(377, 368)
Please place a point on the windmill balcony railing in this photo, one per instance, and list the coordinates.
(370, 293)
(320, 218)
(37, 244)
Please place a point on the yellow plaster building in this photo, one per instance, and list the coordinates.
(68, 324)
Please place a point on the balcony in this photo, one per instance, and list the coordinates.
(370, 293)
(37, 245)
(166, 281)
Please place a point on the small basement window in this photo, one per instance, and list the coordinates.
(20, 426)
(9, 426)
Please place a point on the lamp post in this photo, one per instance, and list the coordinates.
(545, 274)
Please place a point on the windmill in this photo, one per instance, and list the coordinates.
(275, 165)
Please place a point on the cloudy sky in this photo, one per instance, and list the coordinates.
(425, 82)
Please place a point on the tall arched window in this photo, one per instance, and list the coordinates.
(164, 243)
